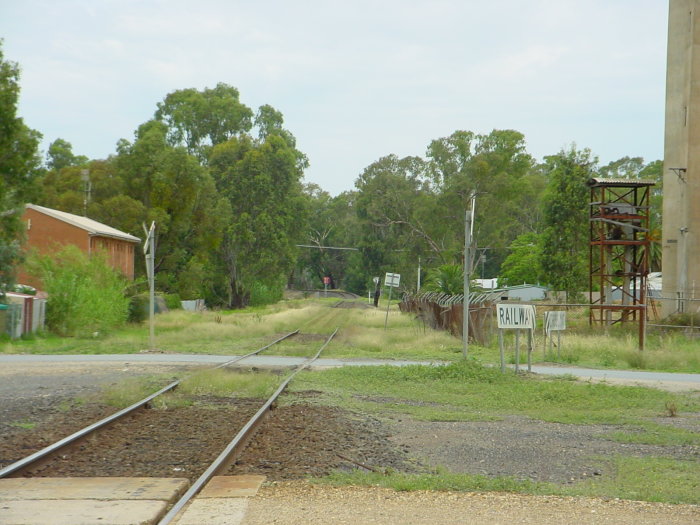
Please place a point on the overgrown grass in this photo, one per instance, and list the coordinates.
(232, 333)
(362, 335)
(229, 383)
(595, 347)
(646, 479)
(206, 382)
(468, 391)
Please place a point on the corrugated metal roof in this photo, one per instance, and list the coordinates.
(629, 183)
(92, 227)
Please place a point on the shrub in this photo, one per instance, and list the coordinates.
(86, 295)
(173, 301)
(138, 308)
(262, 293)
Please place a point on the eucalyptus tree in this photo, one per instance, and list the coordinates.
(179, 194)
(60, 155)
(19, 167)
(330, 239)
(260, 180)
(397, 218)
(498, 171)
(199, 120)
(565, 238)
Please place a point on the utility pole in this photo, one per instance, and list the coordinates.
(468, 228)
(85, 176)
(418, 285)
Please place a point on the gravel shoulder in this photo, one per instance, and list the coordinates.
(299, 502)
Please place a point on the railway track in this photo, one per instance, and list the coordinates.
(40, 459)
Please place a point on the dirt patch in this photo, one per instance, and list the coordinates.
(523, 448)
(308, 338)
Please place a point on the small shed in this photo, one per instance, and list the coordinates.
(24, 314)
(525, 292)
(48, 230)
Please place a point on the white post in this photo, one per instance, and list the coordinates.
(418, 285)
(468, 224)
(149, 252)
(386, 319)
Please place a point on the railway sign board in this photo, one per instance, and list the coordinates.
(516, 316)
(554, 321)
(392, 280)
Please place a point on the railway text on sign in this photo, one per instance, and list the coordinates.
(516, 316)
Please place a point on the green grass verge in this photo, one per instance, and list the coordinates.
(644, 479)
(468, 391)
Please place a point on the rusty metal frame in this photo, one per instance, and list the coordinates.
(619, 251)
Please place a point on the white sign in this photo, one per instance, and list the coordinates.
(554, 321)
(521, 316)
(392, 279)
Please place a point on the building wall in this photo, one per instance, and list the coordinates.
(47, 235)
(120, 254)
(681, 209)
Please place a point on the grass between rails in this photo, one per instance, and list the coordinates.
(208, 382)
(467, 391)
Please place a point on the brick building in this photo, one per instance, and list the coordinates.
(48, 230)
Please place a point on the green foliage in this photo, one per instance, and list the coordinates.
(640, 479)
(86, 296)
(260, 182)
(172, 301)
(522, 265)
(201, 119)
(262, 294)
(60, 155)
(19, 165)
(448, 278)
(138, 308)
(441, 481)
(564, 256)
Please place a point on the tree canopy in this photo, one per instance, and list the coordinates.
(225, 186)
(19, 167)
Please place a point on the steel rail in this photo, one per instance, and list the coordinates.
(23, 463)
(227, 456)
(58, 445)
(240, 358)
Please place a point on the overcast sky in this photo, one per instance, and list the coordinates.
(355, 80)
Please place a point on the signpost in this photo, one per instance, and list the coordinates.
(516, 317)
(149, 251)
(326, 282)
(554, 321)
(392, 281)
